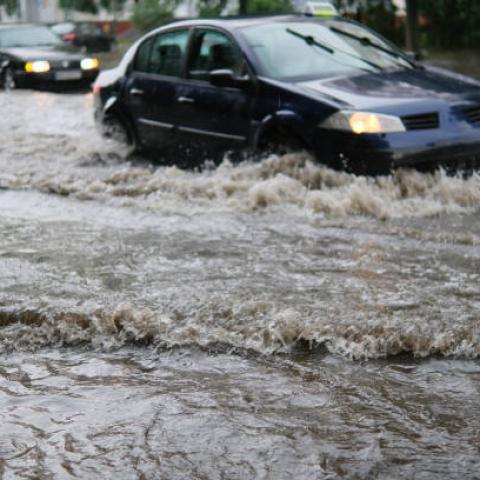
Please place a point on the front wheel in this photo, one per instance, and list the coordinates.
(9, 81)
(280, 141)
(116, 131)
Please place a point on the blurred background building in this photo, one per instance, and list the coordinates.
(51, 11)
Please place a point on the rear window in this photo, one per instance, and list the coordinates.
(89, 29)
(163, 54)
(63, 28)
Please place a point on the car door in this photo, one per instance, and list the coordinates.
(152, 86)
(212, 115)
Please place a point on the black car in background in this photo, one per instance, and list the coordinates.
(85, 35)
(33, 55)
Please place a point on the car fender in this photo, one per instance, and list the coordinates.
(109, 105)
(4, 64)
(113, 108)
(286, 119)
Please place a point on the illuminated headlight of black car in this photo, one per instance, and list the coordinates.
(38, 66)
(363, 122)
(89, 64)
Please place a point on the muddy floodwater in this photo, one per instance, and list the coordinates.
(269, 320)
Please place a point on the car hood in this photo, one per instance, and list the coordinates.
(405, 89)
(44, 53)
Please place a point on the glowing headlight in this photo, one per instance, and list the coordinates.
(363, 122)
(89, 63)
(39, 66)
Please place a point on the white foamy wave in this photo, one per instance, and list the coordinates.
(260, 326)
(292, 181)
(66, 156)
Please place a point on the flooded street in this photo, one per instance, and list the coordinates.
(269, 320)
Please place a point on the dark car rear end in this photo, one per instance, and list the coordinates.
(85, 35)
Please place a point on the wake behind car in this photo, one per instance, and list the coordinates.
(32, 55)
(324, 84)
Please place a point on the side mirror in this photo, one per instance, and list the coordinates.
(226, 78)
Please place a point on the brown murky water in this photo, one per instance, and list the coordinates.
(257, 321)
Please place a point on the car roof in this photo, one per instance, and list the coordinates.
(235, 22)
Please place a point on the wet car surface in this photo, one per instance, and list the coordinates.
(263, 320)
(329, 86)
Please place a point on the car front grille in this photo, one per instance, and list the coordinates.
(425, 121)
(472, 114)
(66, 64)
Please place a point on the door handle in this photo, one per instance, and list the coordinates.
(136, 91)
(185, 100)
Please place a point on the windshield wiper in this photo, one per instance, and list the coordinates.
(367, 41)
(310, 40)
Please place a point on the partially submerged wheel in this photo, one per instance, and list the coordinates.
(9, 82)
(117, 132)
(281, 142)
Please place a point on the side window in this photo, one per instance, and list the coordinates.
(168, 51)
(142, 57)
(213, 50)
(162, 54)
(91, 29)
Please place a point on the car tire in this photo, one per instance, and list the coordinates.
(9, 82)
(115, 130)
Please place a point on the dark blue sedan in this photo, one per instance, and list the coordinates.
(327, 85)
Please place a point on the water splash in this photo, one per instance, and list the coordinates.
(260, 326)
(292, 182)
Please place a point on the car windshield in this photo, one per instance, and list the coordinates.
(28, 37)
(295, 51)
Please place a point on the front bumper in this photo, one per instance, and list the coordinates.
(426, 150)
(55, 77)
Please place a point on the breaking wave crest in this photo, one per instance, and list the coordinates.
(260, 326)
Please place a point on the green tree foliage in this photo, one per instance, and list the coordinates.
(450, 23)
(89, 6)
(246, 7)
(269, 6)
(149, 14)
(377, 14)
(381, 16)
(444, 23)
(210, 8)
(112, 5)
(346, 5)
(10, 6)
